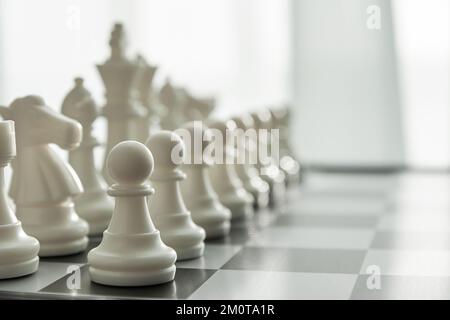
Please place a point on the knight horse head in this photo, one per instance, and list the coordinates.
(38, 124)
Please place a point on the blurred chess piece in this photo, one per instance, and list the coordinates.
(224, 178)
(149, 124)
(120, 77)
(93, 204)
(197, 108)
(131, 252)
(247, 171)
(171, 98)
(289, 163)
(43, 184)
(198, 193)
(268, 166)
(188, 113)
(18, 251)
(167, 207)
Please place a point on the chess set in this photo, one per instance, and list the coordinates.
(149, 205)
(146, 226)
(335, 237)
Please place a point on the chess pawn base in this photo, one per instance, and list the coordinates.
(257, 187)
(18, 252)
(212, 217)
(203, 203)
(132, 260)
(58, 228)
(277, 183)
(95, 209)
(240, 205)
(183, 235)
(291, 169)
(261, 193)
(231, 192)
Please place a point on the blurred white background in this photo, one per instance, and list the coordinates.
(360, 96)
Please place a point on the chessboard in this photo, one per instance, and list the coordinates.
(338, 236)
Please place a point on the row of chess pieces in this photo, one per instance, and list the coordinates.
(156, 210)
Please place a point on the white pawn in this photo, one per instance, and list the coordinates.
(43, 184)
(167, 206)
(197, 191)
(93, 204)
(224, 178)
(247, 171)
(131, 252)
(18, 251)
(288, 161)
(272, 173)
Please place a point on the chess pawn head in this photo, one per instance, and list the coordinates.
(37, 124)
(7, 142)
(130, 163)
(169, 151)
(244, 121)
(263, 119)
(280, 116)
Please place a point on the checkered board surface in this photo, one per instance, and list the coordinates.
(338, 237)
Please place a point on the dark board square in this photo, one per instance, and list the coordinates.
(185, 283)
(79, 258)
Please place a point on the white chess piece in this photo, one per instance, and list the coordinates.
(18, 251)
(224, 178)
(151, 122)
(196, 108)
(131, 252)
(171, 98)
(167, 207)
(120, 77)
(288, 161)
(197, 191)
(43, 184)
(270, 170)
(93, 204)
(247, 171)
